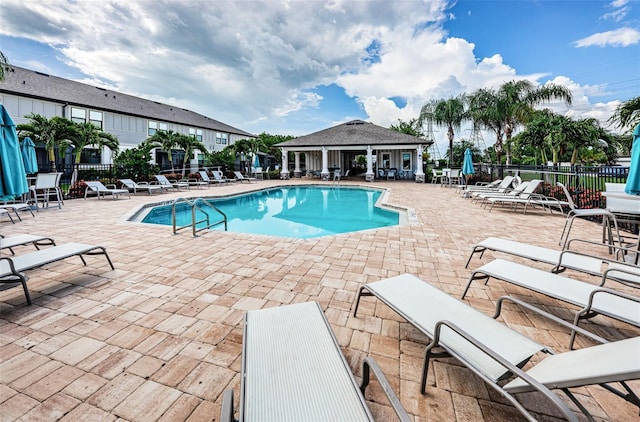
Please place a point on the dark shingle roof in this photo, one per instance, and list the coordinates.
(355, 132)
(28, 83)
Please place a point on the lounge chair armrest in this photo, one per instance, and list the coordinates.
(619, 248)
(623, 268)
(111, 186)
(369, 364)
(517, 372)
(547, 315)
(226, 410)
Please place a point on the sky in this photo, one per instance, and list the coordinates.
(296, 67)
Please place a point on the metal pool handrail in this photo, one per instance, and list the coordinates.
(194, 208)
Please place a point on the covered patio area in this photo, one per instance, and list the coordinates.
(358, 147)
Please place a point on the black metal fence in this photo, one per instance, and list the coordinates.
(583, 182)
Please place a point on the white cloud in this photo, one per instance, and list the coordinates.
(622, 37)
(253, 63)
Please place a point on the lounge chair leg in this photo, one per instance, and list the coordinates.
(473, 277)
(475, 250)
(227, 407)
(361, 293)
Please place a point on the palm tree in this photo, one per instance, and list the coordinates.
(87, 134)
(445, 112)
(166, 140)
(512, 104)
(627, 115)
(54, 133)
(189, 144)
(4, 65)
(485, 112)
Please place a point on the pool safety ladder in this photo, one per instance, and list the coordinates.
(196, 208)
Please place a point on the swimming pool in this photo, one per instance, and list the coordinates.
(291, 211)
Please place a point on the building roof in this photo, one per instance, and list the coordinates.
(355, 132)
(29, 83)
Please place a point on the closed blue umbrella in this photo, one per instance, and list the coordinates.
(467, 164)
(256, 161)
(13, 180)
(633, 179)
(29, 156)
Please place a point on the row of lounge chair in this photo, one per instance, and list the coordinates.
(292, 367)
(13, 268)
(162, 184)
(512, 192)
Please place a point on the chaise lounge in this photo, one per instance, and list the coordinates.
(101, 190)
(12, 268)
(591, 299)
(293, 370)
(495, 352)
(24, 239)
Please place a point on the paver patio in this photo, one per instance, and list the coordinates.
(160, 337)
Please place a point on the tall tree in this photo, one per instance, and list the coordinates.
(166, 140)
(87, 134)
(189, 144)
(627, 115)
(412, 127)
(55, 133)
(445, 112)
(512, 104)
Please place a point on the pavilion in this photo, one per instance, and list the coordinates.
(338, 148)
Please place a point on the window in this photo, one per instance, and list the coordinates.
(153, 128)
(221, 138)
(196, 133)
(78, 115)
(386, 160)
(95, 117)
(163, 126)
(90, 156)
(406, 161)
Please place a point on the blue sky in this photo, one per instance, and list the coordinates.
(293, 67)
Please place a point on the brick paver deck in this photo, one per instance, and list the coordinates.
(160, 338)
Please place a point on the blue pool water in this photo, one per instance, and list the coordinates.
(300, 212)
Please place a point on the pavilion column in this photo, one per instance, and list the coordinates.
(324, 174)
(419, 172)
(369, 176)
(284, 174)
(296, 171)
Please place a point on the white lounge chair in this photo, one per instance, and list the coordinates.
(520, 197)
(293, 370)
(12, 268)
(503, 186)
(170, 184)
(24, 239)
(17, 206)
(591, 298)
(242, 178)
(494, 352)
(507, 193)
(424, 306)
(140, 186)
(197, 182)
(205, 177)
(220, 178)
(4, 211)
(102, 190)
(607, 218)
